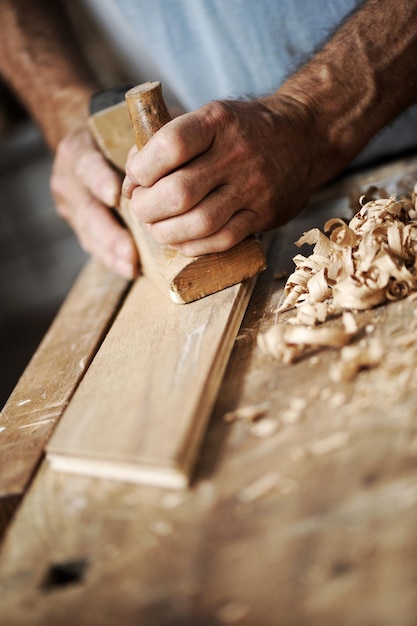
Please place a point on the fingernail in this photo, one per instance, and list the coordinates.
(110, 193)
(127, 189)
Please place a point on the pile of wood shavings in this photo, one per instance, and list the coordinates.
(359, 265)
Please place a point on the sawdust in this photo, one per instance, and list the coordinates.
(248, 413)
(232, 612)
(265, 484)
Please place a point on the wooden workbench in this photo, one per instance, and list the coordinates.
(309, 521)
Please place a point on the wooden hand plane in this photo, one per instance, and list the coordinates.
(118, 118)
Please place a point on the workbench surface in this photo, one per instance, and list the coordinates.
(305, 517)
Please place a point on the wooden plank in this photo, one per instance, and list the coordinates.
(49, 381)
(142, 408)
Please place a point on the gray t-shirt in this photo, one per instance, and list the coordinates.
(204, 50)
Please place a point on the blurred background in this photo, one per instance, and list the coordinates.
(39, 256)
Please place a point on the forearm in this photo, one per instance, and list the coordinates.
(359, 82)
(41, 61)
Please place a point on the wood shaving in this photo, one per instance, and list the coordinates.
(407, 497)
(298, 404)
(361, 264)
(287, 486)
(355, 358)
(355, 266)
(162, 528)
(288, 342)
(333, 442)
(294, 413)
(173, 499)
(232, 613)
(260, 488)
(265, 427)
(247, 413)
(337, 400)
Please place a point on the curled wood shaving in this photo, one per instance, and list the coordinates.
(266, 484)
(260, 488)
(232, 613)
(248, 413)
(361, 264)
(355, 266)
(355, 358)
(254, 416)
(331, 443)
(287, 342)
(265, 427)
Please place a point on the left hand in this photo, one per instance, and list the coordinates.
(209, 178)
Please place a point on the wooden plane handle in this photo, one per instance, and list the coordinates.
(186, 278)
(147, 109)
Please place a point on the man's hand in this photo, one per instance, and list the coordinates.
(85, 188)
(209, 178)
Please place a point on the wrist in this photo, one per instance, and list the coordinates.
(65, 111)
(310, 150)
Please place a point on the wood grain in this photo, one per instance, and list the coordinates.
(112, 130)
(49, 381)
(141, 410)
(275, 530)
(314, 524)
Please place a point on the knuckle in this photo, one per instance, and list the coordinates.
(207, 224)
(227, 239)
(179, 194)
(172, 144)
(140, 206)
(242, 151)
(65, 149)
(158, 232)
(220, 112)
(89, 163)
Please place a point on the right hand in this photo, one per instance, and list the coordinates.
(85, 188)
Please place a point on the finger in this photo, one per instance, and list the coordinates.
(176, 194)
(235, 230)
(205, 219)
(99, 232)
(176, 143)
(128, 187)
(109, 241)
(99, 177)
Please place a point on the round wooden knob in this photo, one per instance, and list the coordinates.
(147, 109)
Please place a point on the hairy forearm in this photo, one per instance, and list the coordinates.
(41, 61)
(359, 81)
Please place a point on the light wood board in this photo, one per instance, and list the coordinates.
(141, 410)
(49, 381)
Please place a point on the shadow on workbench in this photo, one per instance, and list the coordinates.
(8, 506)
